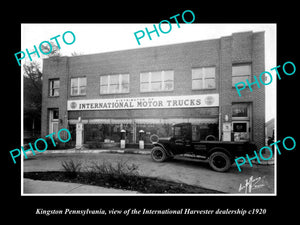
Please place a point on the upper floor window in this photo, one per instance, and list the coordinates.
(78, 86)
(240, 73)
(203, 78)
(157, 81)
(54, 87)
(240, 111)
(114, 84)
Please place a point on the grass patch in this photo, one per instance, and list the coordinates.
(120, 176)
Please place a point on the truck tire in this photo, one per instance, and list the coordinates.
(158, 154)
(219, 161)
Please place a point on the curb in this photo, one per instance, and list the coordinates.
(125, 151)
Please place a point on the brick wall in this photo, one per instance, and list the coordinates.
(221, 53)
(245, 47)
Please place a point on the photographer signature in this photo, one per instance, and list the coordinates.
(252, 184)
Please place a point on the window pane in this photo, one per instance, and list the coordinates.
(156, 76)
(55, 92)
(156, 86)
(74, 82)
(144, 77)
(177, 131)
(239, 79)
(114, 88)
(82, 90)
(238, 70)
(55, 83)
(103, 89)
(168, 86)
(82, 81)
(124, 88)
(144, 87)
(74, 91)
(210, 83)
(197, 84)
(209, 72)
(125, 78)
(240, 127)
(55, 114)
(114, 79)
(168, 75)
(197, 73)
(103, 80)
(240, 110)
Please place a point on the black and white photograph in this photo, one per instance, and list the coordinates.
(149, 113)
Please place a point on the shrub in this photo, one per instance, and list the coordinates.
(118, 176)
(121, 168)
(72, 168)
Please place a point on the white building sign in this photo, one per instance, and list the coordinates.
(185, 101)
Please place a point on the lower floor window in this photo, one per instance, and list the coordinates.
(102, 133)
(111, 133)
(161, 130)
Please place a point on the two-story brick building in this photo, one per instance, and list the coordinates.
(151, 89)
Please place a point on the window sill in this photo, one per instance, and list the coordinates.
(155, 91)
(77, 95)
(204, 89)
(114, 93)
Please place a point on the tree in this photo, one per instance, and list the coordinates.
(32, 78)
(32, 106)
(33, 72)
(55, 51)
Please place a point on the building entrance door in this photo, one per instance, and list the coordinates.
(53, 121)
(241, 130)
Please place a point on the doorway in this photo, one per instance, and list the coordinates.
(241, 131)
(53, 121)
(241, 121)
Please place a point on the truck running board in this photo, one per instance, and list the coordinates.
(193, 156)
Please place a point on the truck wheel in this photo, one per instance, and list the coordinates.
(158, 154)
(219, 161)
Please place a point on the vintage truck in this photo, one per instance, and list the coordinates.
(219, 154)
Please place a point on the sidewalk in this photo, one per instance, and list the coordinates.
(54, 187)
(73, 150)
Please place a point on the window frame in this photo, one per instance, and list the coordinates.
(203, 78)
(244, 104)
(163, 82)
(119, 84)
(243, 75)
(51, 87)
(78, 86)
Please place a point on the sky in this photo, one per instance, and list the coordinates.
(98, 38)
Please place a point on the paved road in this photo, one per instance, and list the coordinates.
(180, 170)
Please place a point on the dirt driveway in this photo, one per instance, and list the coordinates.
(179, 169)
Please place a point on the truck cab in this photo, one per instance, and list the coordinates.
(219, 154)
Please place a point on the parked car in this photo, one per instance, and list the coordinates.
(219, 154)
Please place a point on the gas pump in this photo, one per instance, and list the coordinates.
(123, 138)
(141, 139)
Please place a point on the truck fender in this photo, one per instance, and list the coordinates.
(169, 153)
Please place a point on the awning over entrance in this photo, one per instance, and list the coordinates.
(148, 121)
